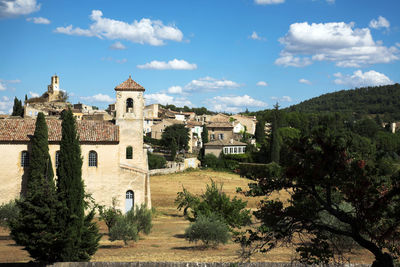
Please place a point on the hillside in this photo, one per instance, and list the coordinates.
(384, 100)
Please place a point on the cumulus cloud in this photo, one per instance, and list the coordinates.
(381, 22)
(304, 81)
(98, 98)
(268, 2)
(284, 98)
(13, 8)
(39, 20)
(32, 94)
(234, 103)
(210, 84)
(162, 98)
(262, 83)
(174, 64)
(145, 31)
(6, 105)
(338, 42)
(117, 46)
(2, 86)
(255, 36)
(360, 79)
(175, 90)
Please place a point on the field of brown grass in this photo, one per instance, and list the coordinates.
(166, 242)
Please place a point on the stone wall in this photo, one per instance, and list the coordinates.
(173, 167)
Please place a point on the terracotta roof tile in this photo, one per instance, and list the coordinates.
(89, 131)
(220, 125)
(129, 85)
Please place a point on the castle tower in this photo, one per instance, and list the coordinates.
(53, 89)
(129, 117)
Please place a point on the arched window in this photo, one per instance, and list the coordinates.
(129, 200)
(57, 158)
(92, 159)
(129, 152)
(24, 159)
(129, 105)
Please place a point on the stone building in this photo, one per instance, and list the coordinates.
(231, 146)
(114, 161)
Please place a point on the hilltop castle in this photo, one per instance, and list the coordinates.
(114, 161)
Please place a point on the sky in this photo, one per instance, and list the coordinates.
(225, 55)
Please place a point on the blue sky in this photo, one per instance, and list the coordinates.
(226, 55)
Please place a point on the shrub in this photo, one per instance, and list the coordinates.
(210, 230)
(123, 229)
(210, 161)
(156, 161)
(8, 212)
(141, 217)
(110, 215)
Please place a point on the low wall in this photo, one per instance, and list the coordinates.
(173, 167)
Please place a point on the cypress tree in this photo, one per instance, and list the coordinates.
(18, 109)
(36, 225)
(260, 131)
(204, 139)
(173, 148)
(275, 144)
(78, 232)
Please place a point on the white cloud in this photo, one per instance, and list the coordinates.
(98, 98)
(12, 8)
(284, 98)
(360, 79)
(210, 84)
(174, 64)
(145, 31)
(5, 98)
(262, 83)
(32, 94)
(304, 81)
(6, 106)
(234, 103)
(39, 20)
(175, 90)
(162, 98)
(336, 41)
(117, 46)
(14, 81)
(2, 86)
(255, 36)
(268, 2)
(381, 22)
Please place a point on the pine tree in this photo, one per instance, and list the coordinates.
(260, 131)
(36, 225)
(79, 233)
(275, 144)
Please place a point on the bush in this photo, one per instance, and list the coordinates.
(210, 161)
(208, 229)
(156, 161)
(123, 229)
(141, 217)
(8, 212)
(153, 141)
(110, 215)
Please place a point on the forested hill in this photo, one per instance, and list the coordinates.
(362, 101)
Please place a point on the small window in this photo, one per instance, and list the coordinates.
(244, 149)
(57, 158)
(231, 150)
(221, 136)
(212, 136)
(129, 152)
(92, 159)
(225, 150)
(235, 150)
(24, 159)
(129, 105)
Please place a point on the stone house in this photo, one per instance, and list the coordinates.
(158, 129)
(109, 170)
(220, 131)
(231, 146)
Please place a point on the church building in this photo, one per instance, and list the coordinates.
(114, 160)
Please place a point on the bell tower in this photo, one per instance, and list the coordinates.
(129, 117)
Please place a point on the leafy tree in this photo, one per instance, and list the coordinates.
(210, 161)
(18, 109)
(156, 161)
(177, 132)
(210, 230)
(8, 212)
(260, 131)
(110, 214)
(124, 230)
(214, 200)
(142, 218)
(334, 193)
(36, 225)
(70, 190)
(275, 142)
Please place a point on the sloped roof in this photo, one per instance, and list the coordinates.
(20, 130)
(220, 125)
(225, 143)
(129, 85)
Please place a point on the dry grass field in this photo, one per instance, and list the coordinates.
(166, 242)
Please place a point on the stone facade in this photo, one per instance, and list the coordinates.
(115, 174)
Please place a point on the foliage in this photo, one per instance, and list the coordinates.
(153, 141)
(142, 218)
(173, 146)
(8, 212)
(156, 161)
(124, 230)
(36, 226)
(260, 131)
(109, 214)
(18, 109)
(214, 200)
(335, 194)
(275, 140)
(204, 140)
(70, 191)
(210, 161)
(198, 111)
(177, 132)
(210, 230)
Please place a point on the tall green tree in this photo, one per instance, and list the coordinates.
(260, 131)
(36, 227)
(78, 231)
(18, 109)
(204, 140)
(275, 142)
(173, 147)
(178, 132)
